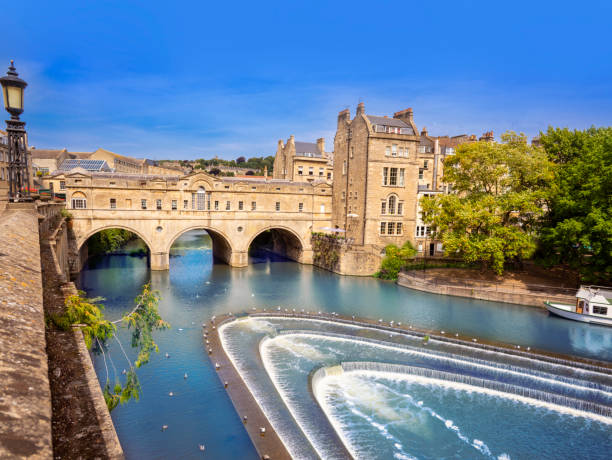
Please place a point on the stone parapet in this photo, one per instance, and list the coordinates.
(534, 296)
(25, 397)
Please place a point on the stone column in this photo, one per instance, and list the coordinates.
(160, 260)
(238, 259)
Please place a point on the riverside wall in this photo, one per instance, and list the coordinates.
(534, 296)
(34, 274)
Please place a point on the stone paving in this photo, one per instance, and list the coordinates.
(25, 399)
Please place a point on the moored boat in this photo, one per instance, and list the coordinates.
(593, 305)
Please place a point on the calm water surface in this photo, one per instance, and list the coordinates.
(195, 289)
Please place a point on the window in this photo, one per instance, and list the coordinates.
(300, 207)
(253, 205)
(439, 247)
(425, 163)
(393, 176)
(422, 149)
(383, 226)
(391, 201)
(277, 206)
(185, 204)
(201, 199)
(355, 195)
(62, 185)
(383, 207)
(216, 205)
(420, 247)
(352, 151)
(174, 205)
(253, 188)
(322, 209)
(420, 173)
(113, 203)
(385, 176)
(350, 195)
(143, 204)
(240, 206)
(328, 176)
(399, 228)
(394, 150)
(390, 228)
(343, 195)
(401, 177)
(158, 204)
(400, 208)
(321, 172)
(228, 205)
(79, 203)
(600, 310)
(344, 168)
(406, 152)
(387, 151)
(300, 170)
(311, 171)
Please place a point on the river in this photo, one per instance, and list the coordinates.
(195, 289)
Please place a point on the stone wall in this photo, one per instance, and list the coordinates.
(339, 255)
(534, 296)
(25, 397)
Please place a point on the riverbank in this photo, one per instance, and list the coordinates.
(517, 288)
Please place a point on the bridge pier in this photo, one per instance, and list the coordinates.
(160, 260)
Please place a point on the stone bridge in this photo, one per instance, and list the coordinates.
(159, 209)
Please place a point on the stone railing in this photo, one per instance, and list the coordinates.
(49, 214)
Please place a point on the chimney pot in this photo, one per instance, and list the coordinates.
(360, 108)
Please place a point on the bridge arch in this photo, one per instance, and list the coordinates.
(284, 240)
(83, 239)
(221, 243)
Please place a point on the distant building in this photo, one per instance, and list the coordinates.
(87, 165)
(302, 161)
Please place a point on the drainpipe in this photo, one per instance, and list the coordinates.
(436, 158)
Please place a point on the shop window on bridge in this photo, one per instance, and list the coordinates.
(79, 203)
(228, 205)
(143, 204)
(240, 206)
(158, 204)
(278, 205)
(301, 207)
(253, 205)
(216, 205)
(113, 203)
(185, 204)
(174, 205)
(200, 199)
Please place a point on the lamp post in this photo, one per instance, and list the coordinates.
(19, 177)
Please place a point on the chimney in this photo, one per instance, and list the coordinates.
(344, 116)
(360, 108)
(291, 140)
(321, 145)
(424, 131)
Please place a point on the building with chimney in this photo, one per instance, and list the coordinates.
(302, 161)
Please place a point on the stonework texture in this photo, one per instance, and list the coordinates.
(25, 399)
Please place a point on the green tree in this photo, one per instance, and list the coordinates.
(395, 259)
(142, 320)
(498, 194)
(577, 228)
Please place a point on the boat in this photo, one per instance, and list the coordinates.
(593, 305)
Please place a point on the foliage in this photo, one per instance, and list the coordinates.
(143, 319)
(499, 192)
(66, 214)
(256, 163)
(87, 313)
(324, 252)
(577, 228)
(109, 240)
(395, 259)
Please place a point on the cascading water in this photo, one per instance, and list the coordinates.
(502, 386)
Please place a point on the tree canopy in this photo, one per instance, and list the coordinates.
(498, 193)
(577, 228)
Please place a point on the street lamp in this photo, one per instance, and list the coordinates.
(19, 177)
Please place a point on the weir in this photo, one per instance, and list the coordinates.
(296, 352)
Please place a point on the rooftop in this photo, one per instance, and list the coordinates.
(87, 165)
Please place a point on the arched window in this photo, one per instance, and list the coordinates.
(201, 199)
(391, 204)
(79, 201)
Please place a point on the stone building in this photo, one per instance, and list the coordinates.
(298, 161)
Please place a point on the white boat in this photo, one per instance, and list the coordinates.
(593, 305)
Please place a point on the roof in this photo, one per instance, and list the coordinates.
(87, 165)
(386, 121)
(46, 153)
(307, 147)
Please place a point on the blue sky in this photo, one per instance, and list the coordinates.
(196, 79)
